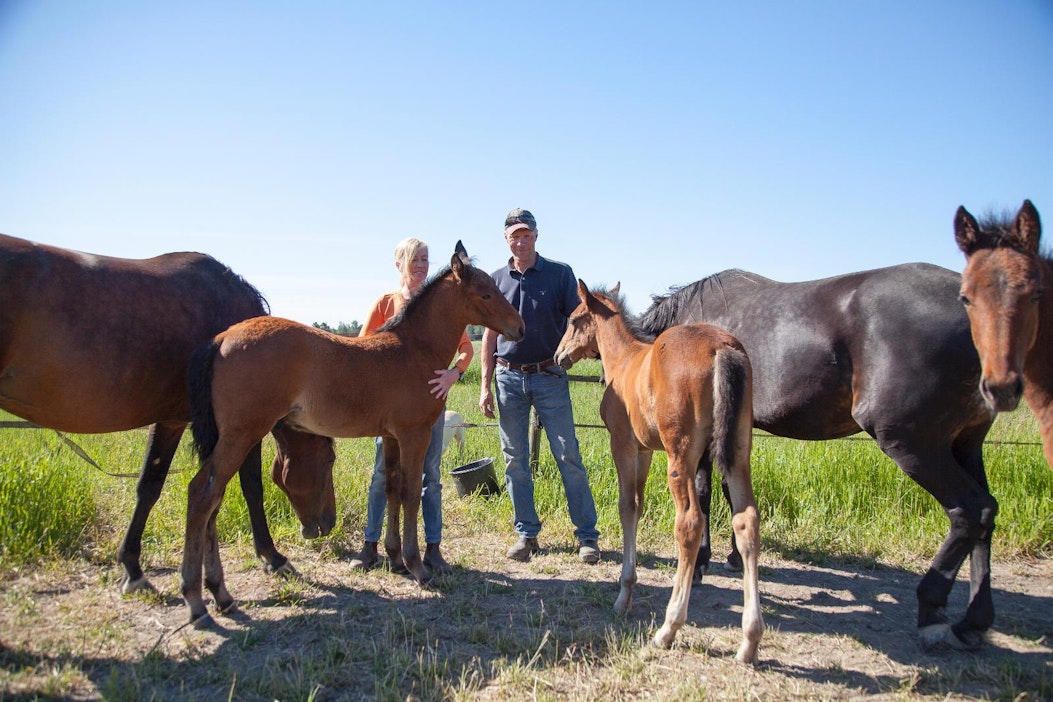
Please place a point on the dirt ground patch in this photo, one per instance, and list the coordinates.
(496, 629)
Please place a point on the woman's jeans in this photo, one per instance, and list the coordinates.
(549, 393)
(430, 496)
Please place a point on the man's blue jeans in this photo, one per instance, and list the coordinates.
(430, 496)
(549, 393)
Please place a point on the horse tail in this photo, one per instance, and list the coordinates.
(199, 391)
(731, 388)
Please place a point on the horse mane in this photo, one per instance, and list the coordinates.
(665, 310)
(417, 300)
(251, 290)
(632, 322)
(996, 231)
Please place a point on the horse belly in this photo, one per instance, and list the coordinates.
(90, 403)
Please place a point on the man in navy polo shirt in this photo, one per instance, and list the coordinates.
(545, 293)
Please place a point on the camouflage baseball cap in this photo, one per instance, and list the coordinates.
(520, 219)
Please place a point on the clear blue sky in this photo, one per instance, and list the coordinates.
(656, 143)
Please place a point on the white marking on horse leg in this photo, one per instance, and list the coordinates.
(627, 581)
(747, 536)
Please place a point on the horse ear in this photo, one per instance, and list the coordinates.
(460, 258)
(617, 287)
(1028, 227)
(966, 231)
(583, 291)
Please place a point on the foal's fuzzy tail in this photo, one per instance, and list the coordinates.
(199, 391)
(731, 388)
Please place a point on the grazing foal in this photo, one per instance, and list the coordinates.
(689, 394)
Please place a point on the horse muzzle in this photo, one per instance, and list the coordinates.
(318, 528)
(1002, 396)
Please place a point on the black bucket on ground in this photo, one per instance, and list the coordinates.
(476, 477)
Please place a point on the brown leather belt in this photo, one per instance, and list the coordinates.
(528, 367)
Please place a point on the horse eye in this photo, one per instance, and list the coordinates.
(964, 300)
(486, 296)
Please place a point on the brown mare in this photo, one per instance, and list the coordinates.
(688, 393)
(93, 344)
(1010, 317)
(267, 370)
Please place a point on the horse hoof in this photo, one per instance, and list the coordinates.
(664, 638)
(932, 635)
(228, 608)
(747, 653)
(130, 587)
(967, 640)
(285, 570)
(734, 563)
(202, 622)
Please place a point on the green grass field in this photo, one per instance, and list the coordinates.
(841, 499)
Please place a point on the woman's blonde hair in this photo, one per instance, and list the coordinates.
(404, 253)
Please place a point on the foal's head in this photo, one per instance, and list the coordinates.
(1002, 285)
(579, 340)
(483, 299)
(470, 292)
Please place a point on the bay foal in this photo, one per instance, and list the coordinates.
(267, 371)
(1011, 317)
(688, 393)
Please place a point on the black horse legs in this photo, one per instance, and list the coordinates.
(704, 490)
(160, 448)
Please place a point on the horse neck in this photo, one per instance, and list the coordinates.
(1038, 367)
(617, 344)
(435, 324)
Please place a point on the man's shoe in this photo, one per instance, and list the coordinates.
(368, 559)
(523, 548)
(589, 552)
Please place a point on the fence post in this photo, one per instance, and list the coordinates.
(535, 440)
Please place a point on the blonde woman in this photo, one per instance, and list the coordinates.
(411, 261)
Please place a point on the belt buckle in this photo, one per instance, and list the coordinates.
(532, 368)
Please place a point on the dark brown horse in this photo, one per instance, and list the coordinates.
(1003, 288)
(269, 370)
(93, 344)
(887, 352)
(688, 393)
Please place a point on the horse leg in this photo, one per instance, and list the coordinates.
(633, 467)
(971, 510)
(213, 567)
(704, 490)
(160, 448)
(979, 615)
(734, 562)
(251, 481)
(412, 450)
(688, 532)
(393, 489)
(204, 495)
(745, 522)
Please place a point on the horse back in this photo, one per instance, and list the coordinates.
(850, 352)
(277, 369)
(94, 343)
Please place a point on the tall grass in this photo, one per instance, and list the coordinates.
(842, 499)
